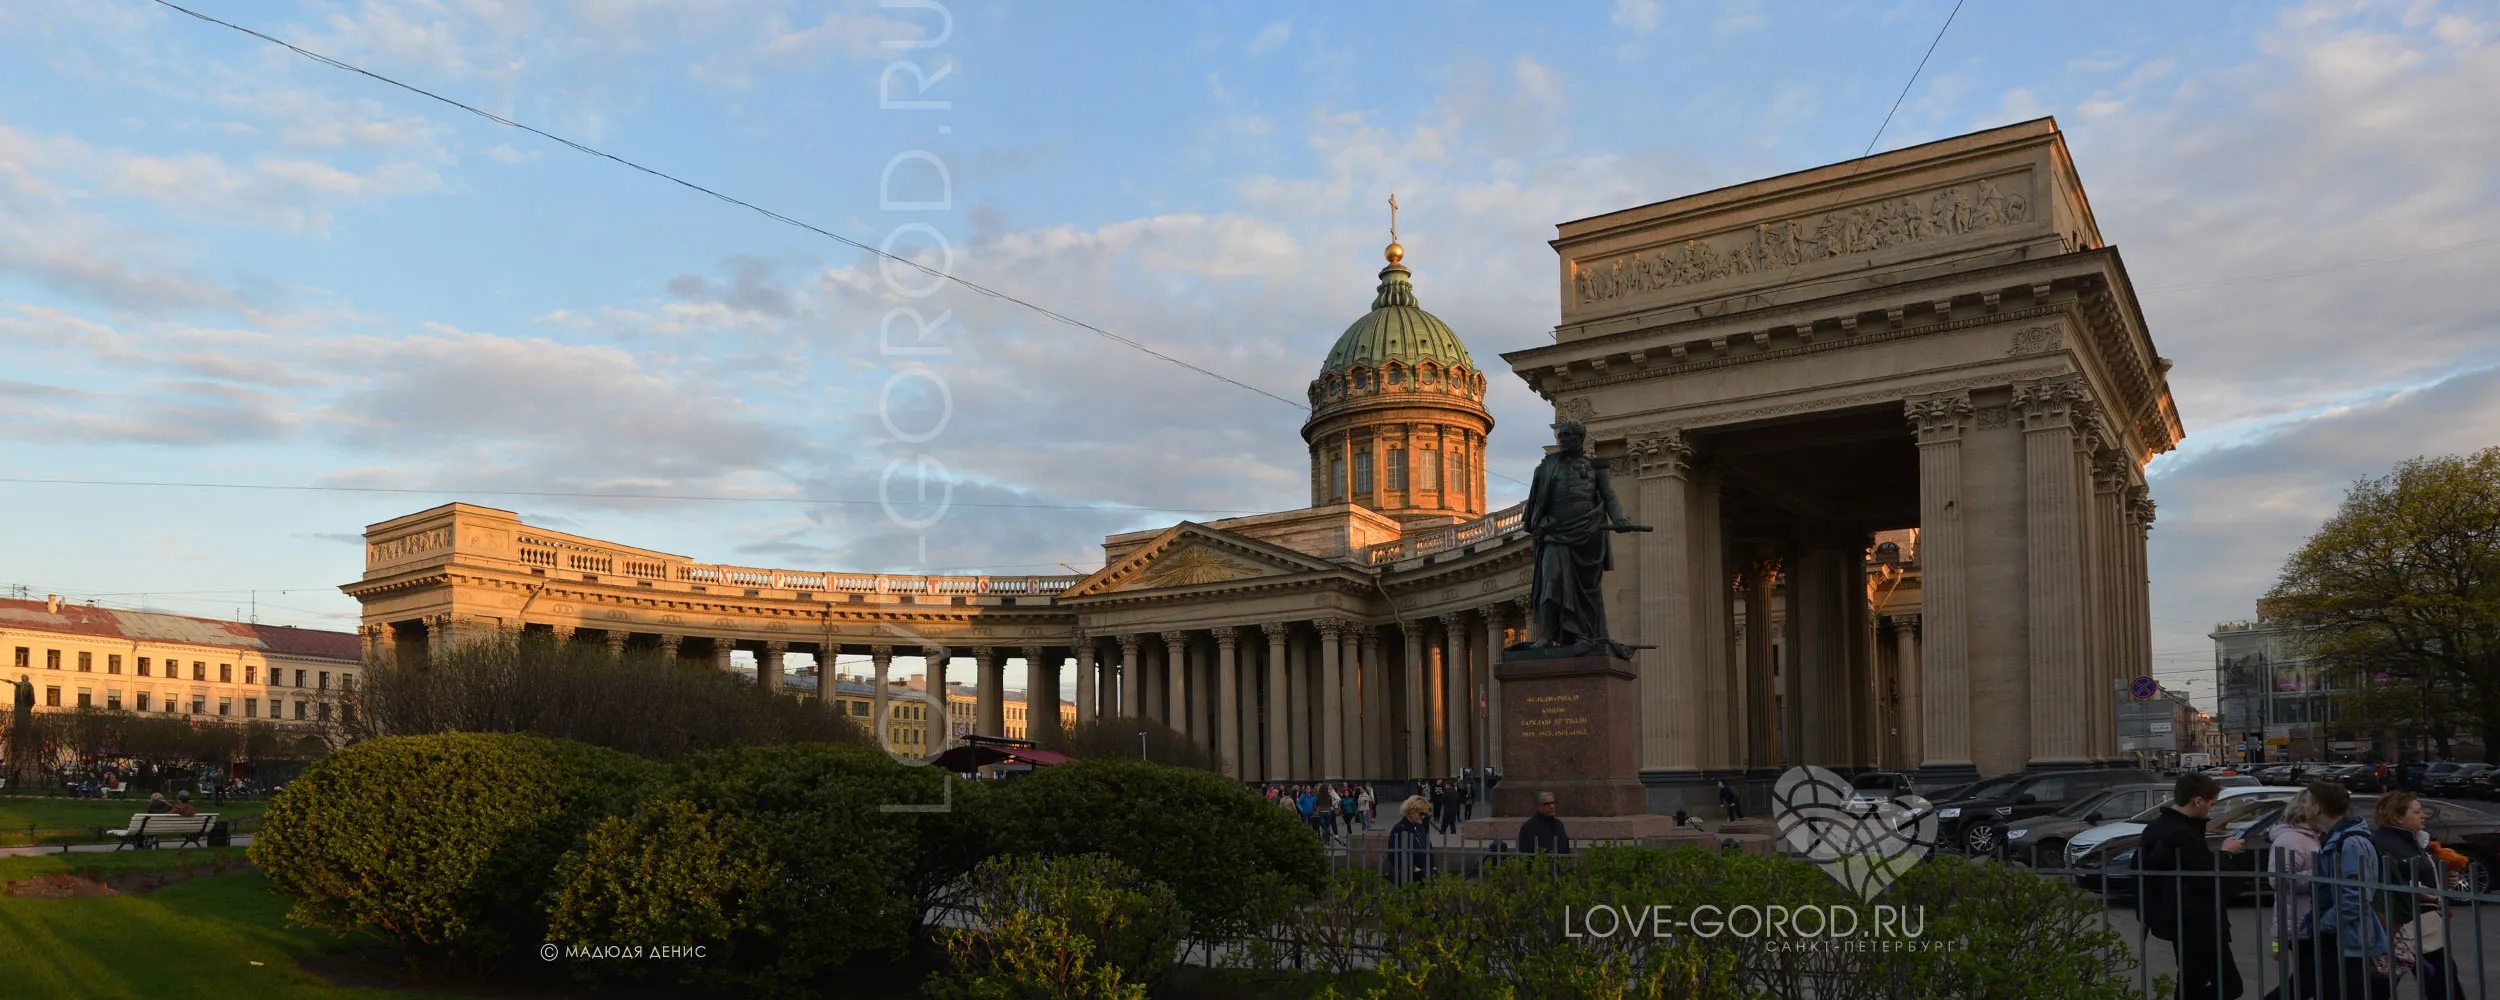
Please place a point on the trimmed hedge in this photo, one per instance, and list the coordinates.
(777, 860)
(1219, 847)
(442, 844)
(1081, 928)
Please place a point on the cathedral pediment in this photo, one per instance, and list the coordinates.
(1194, 555)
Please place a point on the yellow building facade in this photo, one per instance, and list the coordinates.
(83, 656)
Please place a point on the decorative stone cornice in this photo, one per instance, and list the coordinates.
(1938, 418)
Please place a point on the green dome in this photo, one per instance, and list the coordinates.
(1396, 331)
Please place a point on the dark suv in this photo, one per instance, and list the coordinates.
(1976, 825)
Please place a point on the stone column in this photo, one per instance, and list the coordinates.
(1761, 717)
(1418, 728)
(1041, 695)
(1279, 733)
(1086, 697)
(880, 661)
(1724, 687)
(723, 651)
(1379, 713)
(2139, 635)
(612, 637)
(1132, 680)
(1905, 650)
(769, 665)
(1299, 687)
(1436, 701)
(670, 646)
(1457, 694)
(1228, 699)
(1825, 698)
(2055, 570)
(1491, 726)
(562, 634)
(1175, 678)
(1672, 674)
(1331, 699)
(1944, 664)
(2109, 601)
(989, 694)
(1351, 721)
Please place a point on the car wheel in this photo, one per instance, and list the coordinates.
(2478, 869)
(1981, 839)
(2050, 854)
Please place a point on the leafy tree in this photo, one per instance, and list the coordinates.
(2402, 587)
(1120, 736)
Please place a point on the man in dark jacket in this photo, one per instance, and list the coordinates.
(2187, 911)
(1543, 832)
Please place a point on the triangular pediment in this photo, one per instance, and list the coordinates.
(1193, 555)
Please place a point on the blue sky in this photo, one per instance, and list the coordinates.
(220, 262)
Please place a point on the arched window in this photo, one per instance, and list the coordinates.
(1397, 374)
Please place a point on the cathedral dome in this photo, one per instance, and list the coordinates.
(1397, 332)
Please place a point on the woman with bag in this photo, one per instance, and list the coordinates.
(2402, 837)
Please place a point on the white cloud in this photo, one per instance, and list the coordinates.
(1270, 38)
(1641, 16)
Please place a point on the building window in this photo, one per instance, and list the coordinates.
(22, 653)
(299, 678)
(225, 673)
(225, 706)
(251, 674)
(1428, 462)
(299, 711)
(112, 701)
(1459, 483)
(113, 663)
(52, 659)
(251, 708)
(325, 680)
(1363, 472)
(199, 704)
(143, 666)
(86, 662)
(347, 682)
(1336, 477)
(1396, 472)
(325, 711)
(142, 703)
(52, 697)
(86, 698)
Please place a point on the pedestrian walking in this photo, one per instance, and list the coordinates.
(2399, 823)
(2188, 911)
(2293, 857)
(1544, 831)
(1729, 803)
(1410, 842)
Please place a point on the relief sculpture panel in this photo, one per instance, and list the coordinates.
(1979, 206)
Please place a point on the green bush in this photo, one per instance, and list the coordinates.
(1075, 928)
(1218, 846)
(778, 861)
(443, 843)
(2004, 933)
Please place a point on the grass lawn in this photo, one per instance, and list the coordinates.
(51, 814)
(197, 938)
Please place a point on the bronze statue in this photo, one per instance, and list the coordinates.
(24, 744)
(1571, 512)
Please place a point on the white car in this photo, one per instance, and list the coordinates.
(2133, 826)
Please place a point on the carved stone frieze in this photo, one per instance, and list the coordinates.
(1944, 212)
(2036, 340)
(1575, 408)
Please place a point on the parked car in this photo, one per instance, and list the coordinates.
(2458, 782)
(2089, 851)
(2041, 842)
(1977, 825)
(1869, 790)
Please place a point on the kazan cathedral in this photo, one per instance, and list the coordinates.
(1959, 351)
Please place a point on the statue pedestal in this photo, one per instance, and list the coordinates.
(1571, 726)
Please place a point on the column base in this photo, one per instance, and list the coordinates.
(1934, 776)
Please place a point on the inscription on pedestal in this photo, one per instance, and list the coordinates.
(1574, 725)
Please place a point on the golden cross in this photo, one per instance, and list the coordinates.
(1393, 218)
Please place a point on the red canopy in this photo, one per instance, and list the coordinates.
(980, 755)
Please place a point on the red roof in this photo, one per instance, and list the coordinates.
(150, 626)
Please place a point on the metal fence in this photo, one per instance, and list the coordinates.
(2244, 924)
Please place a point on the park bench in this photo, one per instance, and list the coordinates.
(150, 829)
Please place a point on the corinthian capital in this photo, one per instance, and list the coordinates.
(1937, 418)
(1661, 453)
(2052, 405)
